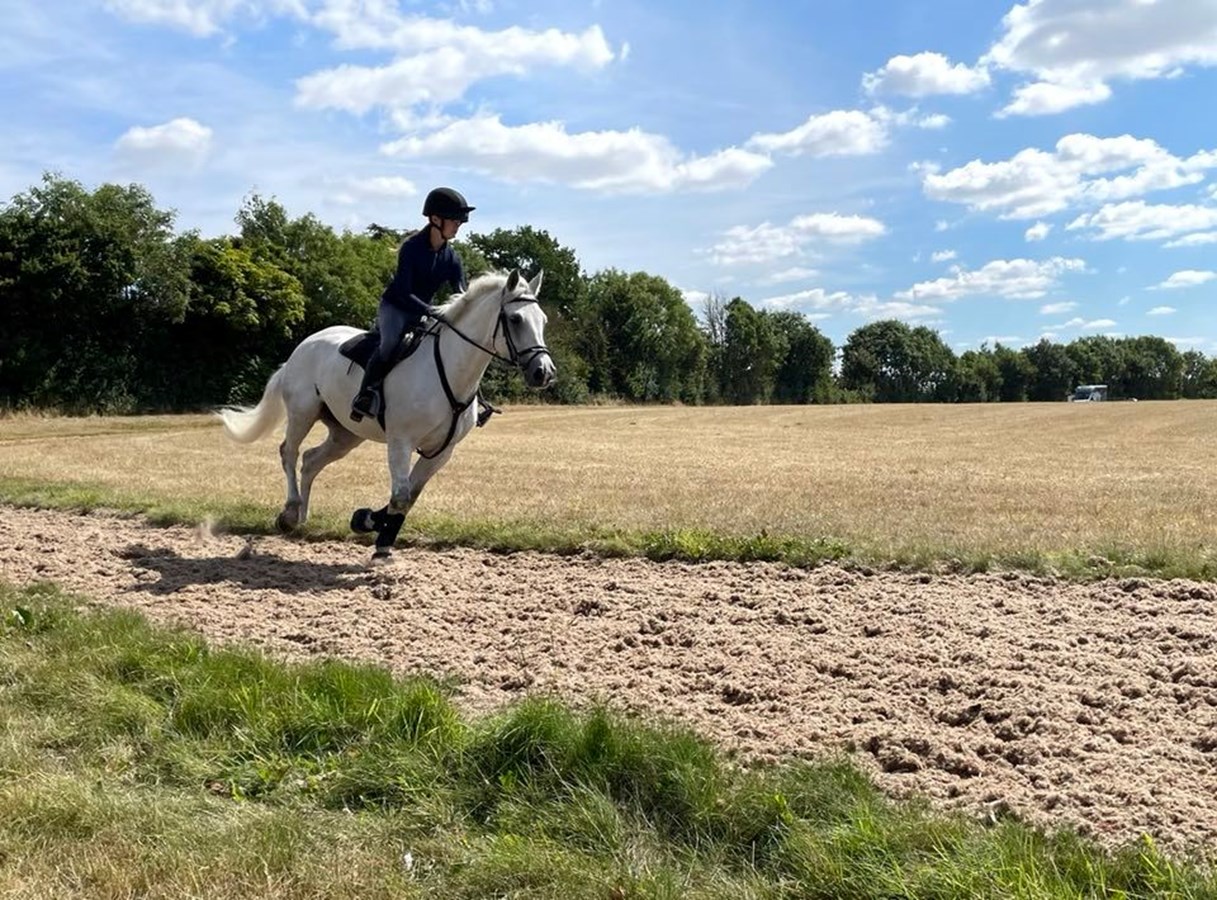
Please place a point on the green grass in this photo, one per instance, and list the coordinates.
(139, 761)
(687, 544)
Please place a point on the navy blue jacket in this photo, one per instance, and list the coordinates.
(420, 273)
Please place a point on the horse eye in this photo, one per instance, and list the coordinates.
(516, 318)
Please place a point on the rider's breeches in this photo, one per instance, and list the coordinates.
(392, 323)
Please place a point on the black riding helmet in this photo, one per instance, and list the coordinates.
(447, 204)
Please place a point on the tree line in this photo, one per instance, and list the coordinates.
(104, 307)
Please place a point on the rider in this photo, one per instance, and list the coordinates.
(425, 262)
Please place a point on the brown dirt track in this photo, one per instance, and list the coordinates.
(1088, 704)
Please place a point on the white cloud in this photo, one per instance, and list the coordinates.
(767, 242)
(1072, 48)
(1162, 311)
(1139, 221)
(610, 161)
(942, 255)
(695, 298)
(380, 25)
(895, 309)
(1080, 324)
(1035, 182)
(923, 75)
(1055, 309)
(1191, 343)
(445, 60)
(200, 17)
(1185, 279)
(177, 142)
(1194, 240)
(1037, 232)
(794, 273)
(357, 190)
(1044, 98)
(817, 303)
(837, 133)
(910, 118)
(1015, 278)
(813, 298)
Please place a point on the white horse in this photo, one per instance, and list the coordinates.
(430, 397)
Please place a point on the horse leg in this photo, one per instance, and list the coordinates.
(401, 498)
(424, 469)
(300, 420)
(390, 519)
(338, 443)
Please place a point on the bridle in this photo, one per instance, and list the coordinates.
(521, 359)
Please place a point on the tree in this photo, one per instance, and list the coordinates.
(1017, 374)
(892, 363)
(240, 311)
(1055, 373)
(531, 250)
(652, 348)
(1152, 370)
(86, 280)
(977, 378)
(805, 370)
(934, 364)
(714, 328)
(753, 349)
(1199, 379)
(342, 276)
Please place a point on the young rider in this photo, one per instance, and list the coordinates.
(425, 261)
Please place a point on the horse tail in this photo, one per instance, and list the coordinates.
(245, 424)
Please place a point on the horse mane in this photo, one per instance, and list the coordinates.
(484, 285)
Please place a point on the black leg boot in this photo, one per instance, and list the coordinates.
(369, 400)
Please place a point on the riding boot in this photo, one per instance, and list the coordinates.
(370, 399)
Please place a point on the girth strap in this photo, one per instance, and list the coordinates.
(457, 406)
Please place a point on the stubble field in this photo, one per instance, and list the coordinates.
(1070, 487)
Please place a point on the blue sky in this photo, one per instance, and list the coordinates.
(996, 171)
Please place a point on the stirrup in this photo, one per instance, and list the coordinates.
(371, 406)
(485, 411)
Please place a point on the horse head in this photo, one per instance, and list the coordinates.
(522, 323)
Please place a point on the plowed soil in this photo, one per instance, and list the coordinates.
(1093, 705)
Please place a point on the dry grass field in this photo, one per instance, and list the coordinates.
(1033, 481)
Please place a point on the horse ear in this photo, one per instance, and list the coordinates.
(534, 286)
(513, 281)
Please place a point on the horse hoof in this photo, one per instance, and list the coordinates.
(382, 554)
(286, 524)
(362, 521)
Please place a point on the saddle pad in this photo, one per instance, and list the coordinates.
(359, 348)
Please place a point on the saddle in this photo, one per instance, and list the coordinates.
(359, 349)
